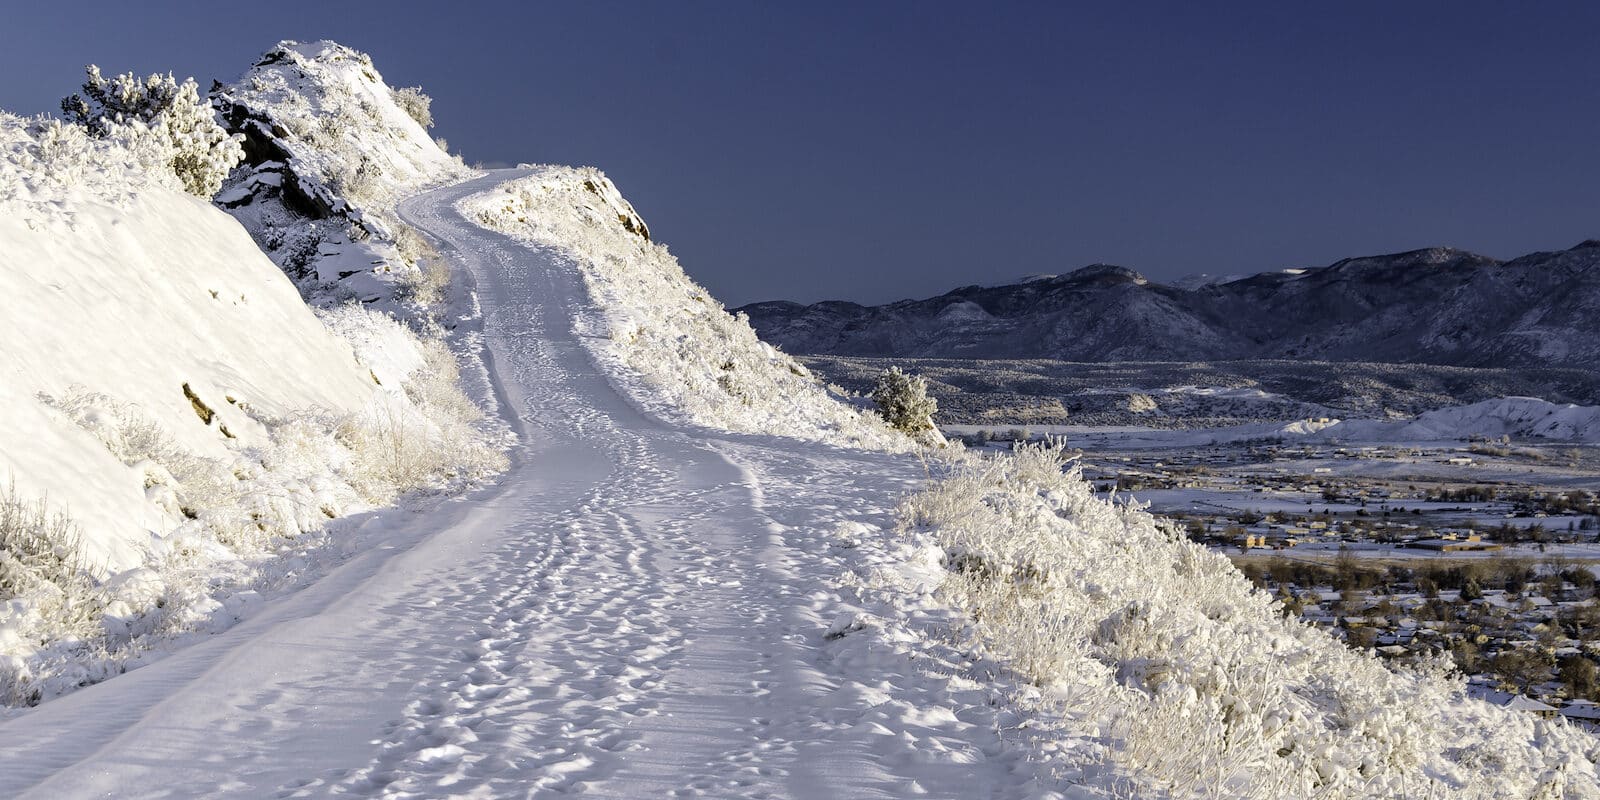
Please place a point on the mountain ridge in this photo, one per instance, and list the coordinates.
(1434, 305)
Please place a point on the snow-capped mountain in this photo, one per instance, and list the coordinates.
(1439, 306)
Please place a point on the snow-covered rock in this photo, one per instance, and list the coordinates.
(328, 153)
(323, 112)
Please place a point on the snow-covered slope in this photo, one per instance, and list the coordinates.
(158, 302)
(674, 347)
(1436, 306)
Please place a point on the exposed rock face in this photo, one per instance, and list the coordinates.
(1439, 306)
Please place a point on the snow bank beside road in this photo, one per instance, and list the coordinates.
(678, 353)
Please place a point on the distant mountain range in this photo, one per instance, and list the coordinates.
(1435, 306)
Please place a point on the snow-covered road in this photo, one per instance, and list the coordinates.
(636, 610)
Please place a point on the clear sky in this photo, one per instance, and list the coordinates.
(872, 151)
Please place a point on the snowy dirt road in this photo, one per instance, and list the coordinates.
(636, 610)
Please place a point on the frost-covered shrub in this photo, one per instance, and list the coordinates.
(428, 276)
(167, 113)
(43, 162)
(417, 105)
(903, 401)
(42, 567)
(39, 553)
(1175, 673)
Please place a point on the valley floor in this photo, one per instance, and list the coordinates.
(635, 610)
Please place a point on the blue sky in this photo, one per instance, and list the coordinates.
(872, 151)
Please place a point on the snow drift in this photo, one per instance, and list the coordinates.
(667, 341)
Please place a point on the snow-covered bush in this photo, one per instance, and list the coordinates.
(39, 555)
(417, 105)
(43, 162)
(1173, 672)
(675, 349)
(165, 112)
(903, 401)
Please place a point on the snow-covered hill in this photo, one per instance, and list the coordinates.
(178, 415)
(678, 353)
(1521, 418)
(1436, 306)
(1517, 417)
